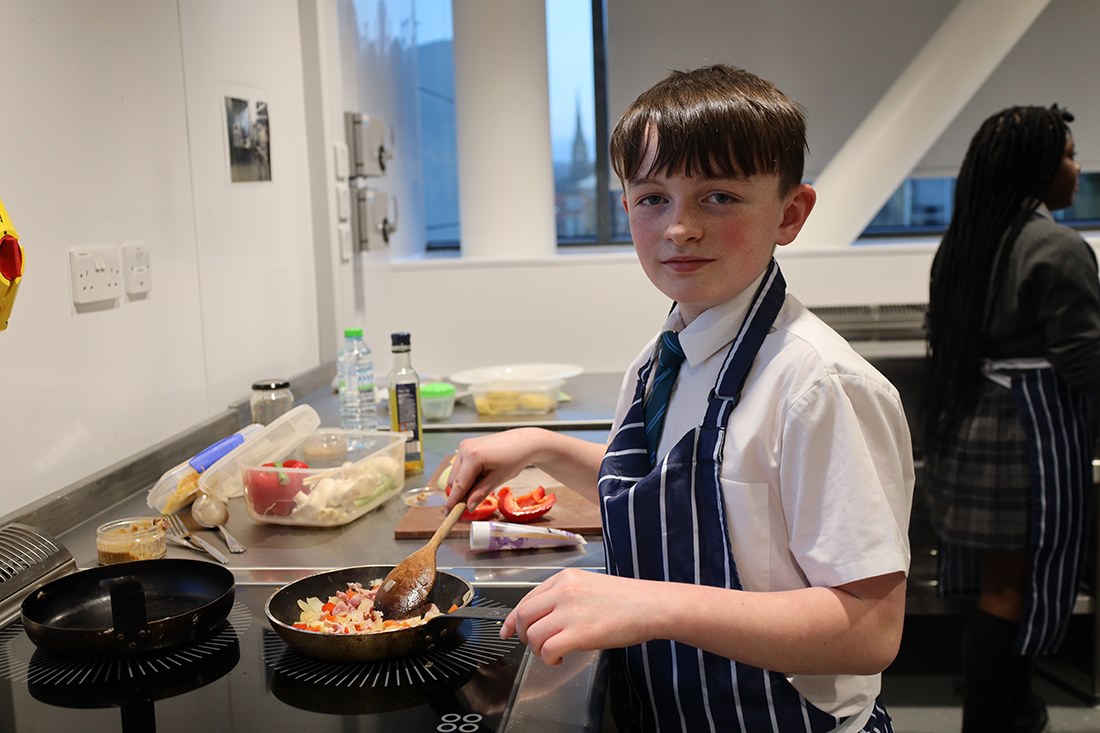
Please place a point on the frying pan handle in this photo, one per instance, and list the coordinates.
(127, 609)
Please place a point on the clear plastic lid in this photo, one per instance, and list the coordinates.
(223, 479)
(180, 484)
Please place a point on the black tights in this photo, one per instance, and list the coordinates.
(996, 680)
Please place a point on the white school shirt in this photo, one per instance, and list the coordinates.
(817, 471)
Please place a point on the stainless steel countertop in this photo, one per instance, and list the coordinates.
(288, 552)
(591, 406)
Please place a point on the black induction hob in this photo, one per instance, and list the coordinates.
(243, 677)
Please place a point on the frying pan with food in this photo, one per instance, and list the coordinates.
(128, 608)
(283, 612)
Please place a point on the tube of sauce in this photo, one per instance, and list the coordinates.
(492, 536)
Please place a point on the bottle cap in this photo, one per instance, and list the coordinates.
(353, 333)
(266, 384)
(401, 338)
(437, 389)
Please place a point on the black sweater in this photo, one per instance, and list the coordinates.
(1049, 304)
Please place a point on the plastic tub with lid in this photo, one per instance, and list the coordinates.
(437, 400)
(325, 478)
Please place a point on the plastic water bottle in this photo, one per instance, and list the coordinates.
(355, 365)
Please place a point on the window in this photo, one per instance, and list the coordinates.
(578, 133)
(924, 206)
(587, 195)
(439, 160)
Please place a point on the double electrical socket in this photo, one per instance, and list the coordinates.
(99, 273)
(96, 274)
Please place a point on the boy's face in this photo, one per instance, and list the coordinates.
(702, 241)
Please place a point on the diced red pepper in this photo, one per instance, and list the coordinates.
(484, 510)
(524, 507)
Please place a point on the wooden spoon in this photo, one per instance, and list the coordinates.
(405, 589)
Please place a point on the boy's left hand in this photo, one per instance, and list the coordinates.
(579, 610)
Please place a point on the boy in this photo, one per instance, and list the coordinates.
(764, 526)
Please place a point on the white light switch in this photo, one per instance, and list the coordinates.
(340, 160)
(343, 232)
(136, 273)
(342, 203)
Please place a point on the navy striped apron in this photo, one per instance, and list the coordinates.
(668, 523)
(1058, 422)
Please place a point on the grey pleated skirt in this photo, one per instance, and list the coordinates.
(979, 483)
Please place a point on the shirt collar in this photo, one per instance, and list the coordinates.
(1044, 212)
(715, 327)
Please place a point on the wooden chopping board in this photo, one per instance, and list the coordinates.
(572, 511)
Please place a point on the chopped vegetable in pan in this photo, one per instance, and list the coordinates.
(352, 611)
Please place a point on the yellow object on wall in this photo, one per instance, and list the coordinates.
(11, 266)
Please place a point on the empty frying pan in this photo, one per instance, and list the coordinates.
(128, 608)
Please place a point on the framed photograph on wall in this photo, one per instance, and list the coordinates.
(247, 134)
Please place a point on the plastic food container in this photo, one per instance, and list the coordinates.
(126, 540)
(179, 486)
(350, 472)
(437, 400)
(223, 479)
(507, 397)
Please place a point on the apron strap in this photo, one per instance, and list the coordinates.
(766, 303)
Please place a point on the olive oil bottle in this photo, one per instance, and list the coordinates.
(405, 401)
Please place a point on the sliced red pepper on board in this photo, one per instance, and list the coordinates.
(484, 510)
(524, 507)
(531, 498)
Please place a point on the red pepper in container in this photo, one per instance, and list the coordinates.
(272, 492)
(524, 507)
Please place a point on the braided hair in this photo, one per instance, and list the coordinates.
(1008, 168)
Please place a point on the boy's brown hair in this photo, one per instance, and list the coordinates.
(717, 121)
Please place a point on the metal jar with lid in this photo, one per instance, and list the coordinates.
(270, 398)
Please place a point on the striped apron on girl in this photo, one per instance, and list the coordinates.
(1058, 422)
(668, 523)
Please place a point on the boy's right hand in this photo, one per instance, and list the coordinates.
(482, 464)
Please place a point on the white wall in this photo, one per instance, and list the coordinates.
(112, 131)
(116, 135)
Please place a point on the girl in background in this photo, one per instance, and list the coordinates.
(1014, 361)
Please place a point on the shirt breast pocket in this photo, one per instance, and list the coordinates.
(748, 510)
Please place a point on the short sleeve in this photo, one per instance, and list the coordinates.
(846, 478)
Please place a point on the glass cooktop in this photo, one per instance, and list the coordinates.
(243, 677)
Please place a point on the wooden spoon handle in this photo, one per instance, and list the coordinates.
(448, 522)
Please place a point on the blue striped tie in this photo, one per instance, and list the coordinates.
(668, 365)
